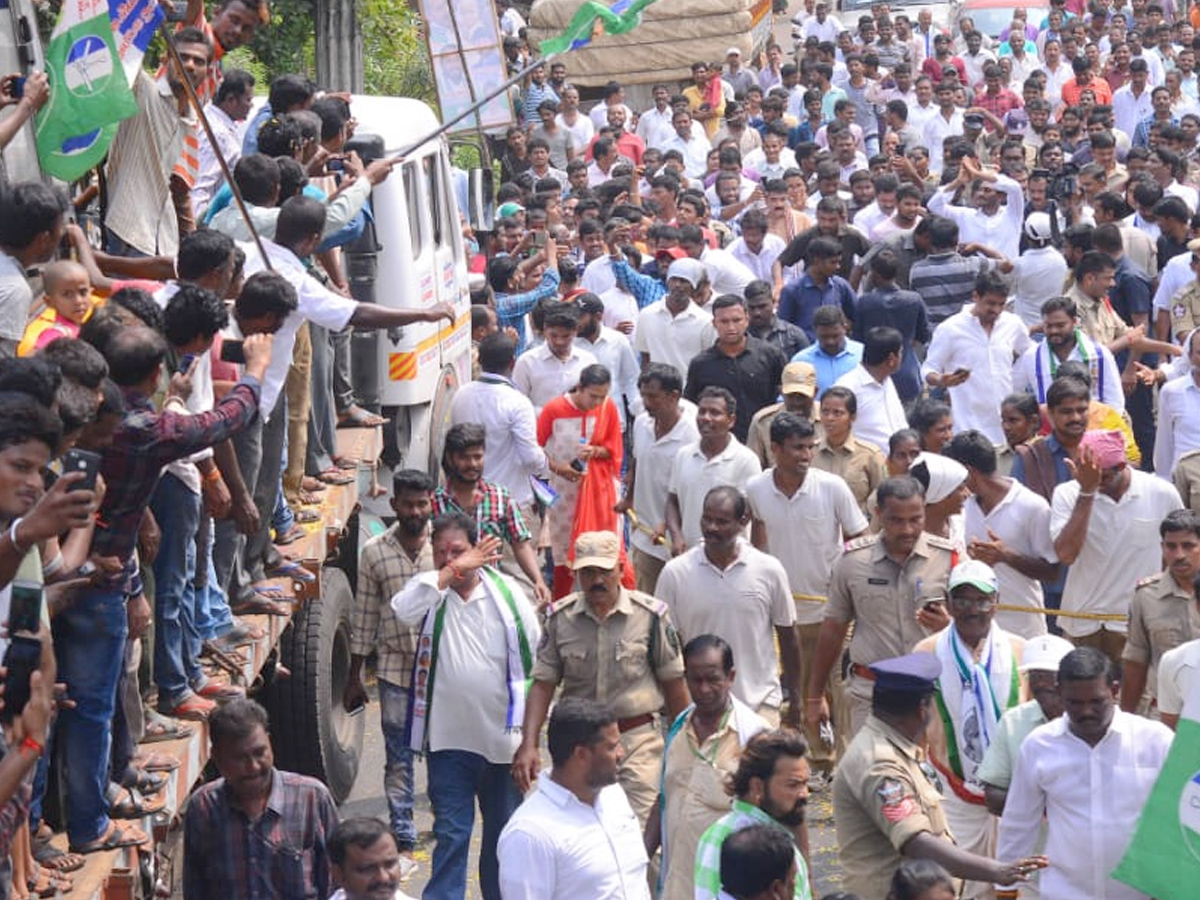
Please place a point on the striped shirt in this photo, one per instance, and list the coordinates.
(947, 281)
(140, 164)
(384, 568)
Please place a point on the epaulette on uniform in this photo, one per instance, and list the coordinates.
(1149, 580)
(562, 603)
(656, 606)
(867, 540)
(941, 543)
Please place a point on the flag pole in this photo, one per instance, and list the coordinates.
(478, 104)
(194, 101)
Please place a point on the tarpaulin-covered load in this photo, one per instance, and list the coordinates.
(673, 35)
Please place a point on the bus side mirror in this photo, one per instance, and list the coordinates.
(481, 199)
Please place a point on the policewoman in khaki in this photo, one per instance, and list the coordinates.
(887, 796)
(617, 647)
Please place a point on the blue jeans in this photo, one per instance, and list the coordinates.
(213, 617)
(89, 642)
(176, 639)
(456, 778)
(398, 769)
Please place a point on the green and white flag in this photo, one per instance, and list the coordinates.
(1163, 860)
(89, 90)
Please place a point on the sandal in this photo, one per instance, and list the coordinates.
(194, 707)
(293, 534)
(46, 882)
(312, 485)
(163, 730)
(115, 838)
(334, 475)
(156, 762)
(305, 516)
(261, 606)
(306, 498)
(142, 781)
(270, 591)
(50, 857)
(130, 803)
(357, 417)
(346, 463)
(291, 569)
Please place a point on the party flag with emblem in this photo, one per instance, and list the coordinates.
(593, 19)
(1163, 859)
(93, 56)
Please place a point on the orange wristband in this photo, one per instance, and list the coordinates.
(30, 744)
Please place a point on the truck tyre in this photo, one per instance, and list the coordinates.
(312, 734)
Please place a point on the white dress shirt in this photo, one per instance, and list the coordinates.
(1037, 275)
(1174, 277)
(880, 412)
(510, 423)
(612, 351)
(1176, 674)
(960, 342)
(806, 531)
(1178, 424)
(725, 273)
(673, 339)
(1000, 232)
(1022, 520)
(759, 264)
(555, 847)
(693, 475)
(936, 129)
(542, 376)
(1129, 109)
(695, 151)
(598, 276)
(655, 457)
(655, 128)
(1091, 798)
(472, 665)
(315, 303)
(1121, 547)
(743, 604)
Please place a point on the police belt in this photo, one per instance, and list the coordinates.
(624, 725)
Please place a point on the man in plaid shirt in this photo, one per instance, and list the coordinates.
(770, 787)
(490, 505)
(384, 568)
(90, 635)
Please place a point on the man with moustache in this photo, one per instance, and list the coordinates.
(385, 566)
(979, 682)
(1087, 775)
(617, 647)
(887, 798)
(769, 787)
(255, 831)
(365, 861)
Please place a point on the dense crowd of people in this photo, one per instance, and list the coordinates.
(834, 427)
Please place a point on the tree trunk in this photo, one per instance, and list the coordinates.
(339, 46)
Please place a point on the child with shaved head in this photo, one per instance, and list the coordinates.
(68, 305)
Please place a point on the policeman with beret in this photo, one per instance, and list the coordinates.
(887, 797)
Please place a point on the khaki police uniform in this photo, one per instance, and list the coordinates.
(758, 441)
(1161, 617)
(1185, 310)
(1187, 479)
(619, 661)
(881, 599)
(885, 793)
(1097, 319)
(857, 462)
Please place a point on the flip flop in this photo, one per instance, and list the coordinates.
(164, 730)
(47, 882)
(311, 484)
(129, 803)
(293, 534)
(270, 591)
(345, 463)
(156, 762)
(335, 475)
(115, 838)
(305, 516)
(306, 498)
(50, 857)
(261, 606)
(291, 569)
(357, 417)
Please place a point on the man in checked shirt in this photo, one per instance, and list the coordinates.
(384, 568)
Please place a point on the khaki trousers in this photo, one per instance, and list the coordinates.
(641, 768)
(1110, 643)
(298, 388)
(647, 568)
(821, 758)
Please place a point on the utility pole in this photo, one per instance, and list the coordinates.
(339, 46)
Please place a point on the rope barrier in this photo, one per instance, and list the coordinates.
(1000, 607)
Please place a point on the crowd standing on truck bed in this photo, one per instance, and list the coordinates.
(833, 427)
